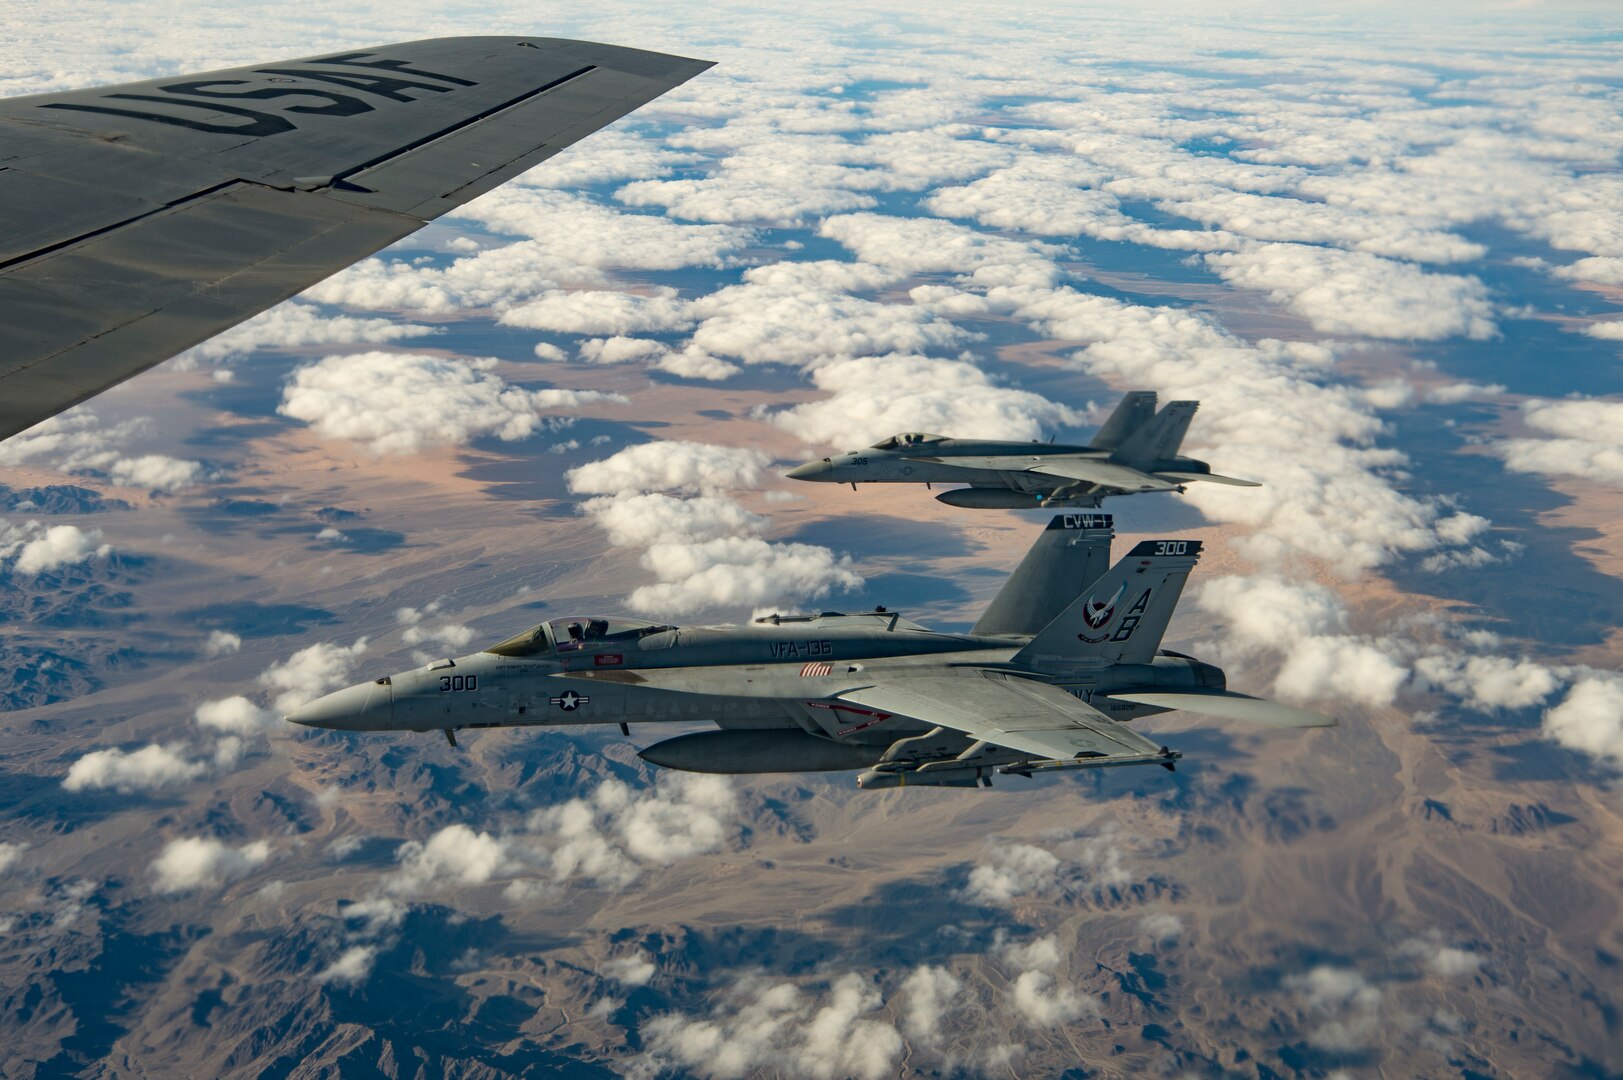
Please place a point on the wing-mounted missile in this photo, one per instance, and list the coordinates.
(1228, 705)
(954, 774)
(876, 780)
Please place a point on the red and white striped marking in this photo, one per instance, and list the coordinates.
(811, 671)
(872, 717)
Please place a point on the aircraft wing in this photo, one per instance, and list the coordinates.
(1085, 469)
(1021, 714)
(138, 220)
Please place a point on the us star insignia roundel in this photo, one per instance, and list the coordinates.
(569, 701)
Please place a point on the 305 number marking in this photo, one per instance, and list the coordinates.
(450, 684)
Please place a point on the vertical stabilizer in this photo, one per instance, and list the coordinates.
(1134, 411)
(1122, 618)
(1159, 439)
(1069, 555)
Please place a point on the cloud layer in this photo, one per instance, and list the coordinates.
(400, 403)
(703, 548)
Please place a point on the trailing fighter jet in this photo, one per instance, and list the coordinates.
(1066, 655)
(1135, 451)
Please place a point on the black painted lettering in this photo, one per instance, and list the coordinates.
(381, 85)
(398, 66)
(259, 123)
(338, 104)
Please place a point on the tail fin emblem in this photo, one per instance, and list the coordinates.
(1097, 614)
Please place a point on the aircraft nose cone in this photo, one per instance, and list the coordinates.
(367, 707)
(812, 470)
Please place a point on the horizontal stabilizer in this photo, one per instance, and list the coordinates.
(1230, 706)
(1210, 478)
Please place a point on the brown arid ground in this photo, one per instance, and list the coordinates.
(1278, 853)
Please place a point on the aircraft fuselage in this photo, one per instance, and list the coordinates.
(761, 676)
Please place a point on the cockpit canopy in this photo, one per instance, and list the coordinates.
(590, 633)
(907, 439)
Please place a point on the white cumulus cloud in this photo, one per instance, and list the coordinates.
(400, 403)
(1013, 870)
(294, 324)
(633, 969)
(1590, 717)
(776, 1026)
(738, 571)
(350, 968)
(310, 672)
(47, 548)
(150, 768)
(1039, 996)
(77, 442)
(1346, 1006)
(1342, 292)
(235, 715)
(455, 855)
(1588, 441)
(871, 398)
(203, 862)
(601, 311)
(608, 836)
(675, 466)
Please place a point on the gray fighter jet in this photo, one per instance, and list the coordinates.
(1067, 654)
(1135, 451)
(138, 220)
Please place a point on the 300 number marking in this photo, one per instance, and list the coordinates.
(456, 683)
(1172, 547)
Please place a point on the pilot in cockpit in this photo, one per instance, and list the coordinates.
(595, 631)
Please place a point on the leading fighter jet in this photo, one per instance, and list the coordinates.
(1135, 451)
(138, 220)
(1048, 679)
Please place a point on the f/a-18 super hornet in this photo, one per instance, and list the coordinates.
(1066, 655)
(1135, 451)
(138, 220)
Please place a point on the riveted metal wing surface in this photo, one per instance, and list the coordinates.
(1018, 713)
(138, 220)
